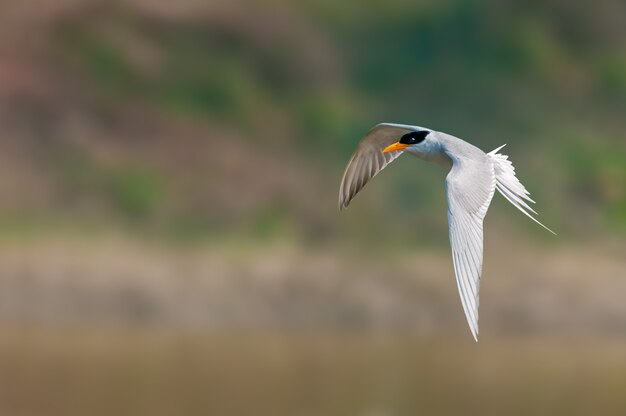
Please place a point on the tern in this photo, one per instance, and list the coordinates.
(470, 184)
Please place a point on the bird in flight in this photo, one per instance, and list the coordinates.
(473, 179)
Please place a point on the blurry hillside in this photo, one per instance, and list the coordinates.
(228, 124)
(170, 241)
(206, 119)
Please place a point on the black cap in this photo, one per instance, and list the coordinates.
(414, 137)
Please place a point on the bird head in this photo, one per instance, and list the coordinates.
(412, 141)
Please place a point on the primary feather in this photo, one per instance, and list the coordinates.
(368, 159)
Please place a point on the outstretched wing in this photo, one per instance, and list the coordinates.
(368, 159)
(469, 188)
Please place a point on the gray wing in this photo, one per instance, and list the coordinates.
(368, 159)
(469, 188)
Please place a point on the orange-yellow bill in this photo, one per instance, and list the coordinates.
(395, 146)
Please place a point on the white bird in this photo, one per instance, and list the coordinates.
(473, 178)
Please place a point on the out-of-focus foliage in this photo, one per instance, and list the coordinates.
(130, 126)
(240, 115)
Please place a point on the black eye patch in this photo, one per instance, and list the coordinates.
(414, 137)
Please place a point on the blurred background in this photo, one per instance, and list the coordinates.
(170, 241)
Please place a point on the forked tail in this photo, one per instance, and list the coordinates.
(510, 187)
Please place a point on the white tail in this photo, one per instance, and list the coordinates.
(510, 187)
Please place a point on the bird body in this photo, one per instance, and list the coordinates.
(473, 178)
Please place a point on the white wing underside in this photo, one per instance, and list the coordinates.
(469, 188)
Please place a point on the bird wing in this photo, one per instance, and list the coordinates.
(368, 159)
(470, 186)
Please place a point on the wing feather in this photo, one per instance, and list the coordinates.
(510, 187)
(368, 159)
(469, 188)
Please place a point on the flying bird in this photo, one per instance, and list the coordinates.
(473, 178)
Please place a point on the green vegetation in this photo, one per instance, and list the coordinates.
(297, 84)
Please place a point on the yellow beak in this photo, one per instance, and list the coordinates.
(395, 146)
